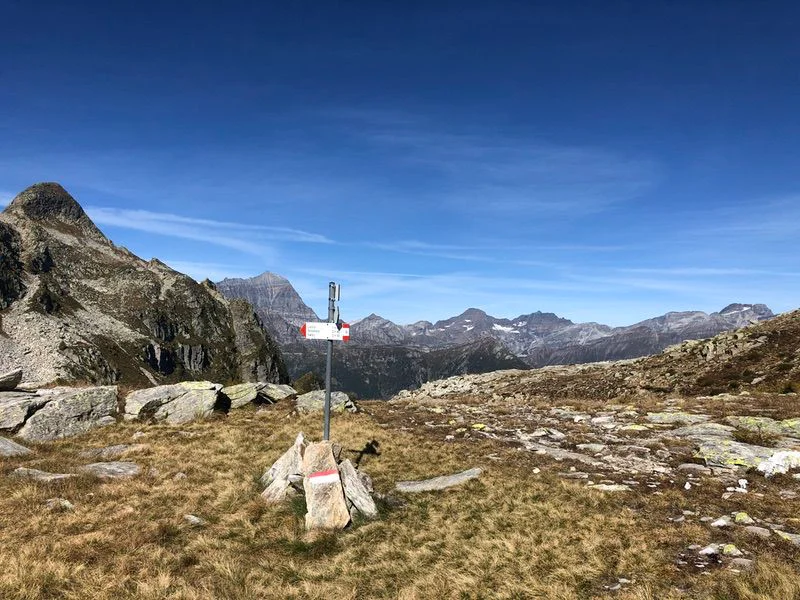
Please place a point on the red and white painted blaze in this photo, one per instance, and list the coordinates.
(320, 477)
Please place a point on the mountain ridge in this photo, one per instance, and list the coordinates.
(74, 307)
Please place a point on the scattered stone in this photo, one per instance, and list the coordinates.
(38, 475)
(355, 490)
(742, 564)
(194, 520)
(780, 462)
(112, 470)
(176, 404)
(742, 518)
(722, 522)
(180, 476)
(11, 448)
(437, 483)
(710, 550)
(761, 532)
(634, 427)
(731, 550)
(10, 379)
(112, 452)
(592, 448)
(694, 468)
(59, 504)
(315, 402)
(789, 537)
(325, 500)
(574, 475)
(610, 487)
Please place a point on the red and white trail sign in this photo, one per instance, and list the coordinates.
(325, 331)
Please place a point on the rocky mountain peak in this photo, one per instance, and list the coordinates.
(48, 202)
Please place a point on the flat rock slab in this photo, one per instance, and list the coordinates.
(38, 475)
(700, 431)
(71, 411)
(327, 508)
(671, 418)
(437, 483)
(112, 452)
(610, 487)
(11, 448)
(176, 404)
(315, 402)
(112, 469)
(10, 380)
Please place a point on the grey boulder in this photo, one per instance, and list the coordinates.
(241, 394)
(177, 403)
(315, 402)
(10, 380)
(15, 408)
(277, 477)
(71, 411)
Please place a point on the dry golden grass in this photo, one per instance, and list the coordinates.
(509, 534)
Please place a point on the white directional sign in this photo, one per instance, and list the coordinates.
(325, 331)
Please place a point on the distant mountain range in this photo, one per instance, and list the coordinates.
(384, 357)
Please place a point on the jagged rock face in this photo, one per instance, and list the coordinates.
(276, 302)
(75, 307)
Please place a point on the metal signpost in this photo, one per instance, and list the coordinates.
(332, 330)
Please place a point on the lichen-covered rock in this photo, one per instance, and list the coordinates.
(315, 402)
(71, 411)
(177, 403)
(731, 453)
(241, 394)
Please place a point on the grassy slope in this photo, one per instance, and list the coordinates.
(510, 534)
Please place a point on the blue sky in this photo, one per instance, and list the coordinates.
(607, 161)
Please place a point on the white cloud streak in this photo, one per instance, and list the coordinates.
(251, 239)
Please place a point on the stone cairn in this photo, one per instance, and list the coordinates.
(335, 491)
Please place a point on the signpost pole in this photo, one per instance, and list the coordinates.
(332, 297)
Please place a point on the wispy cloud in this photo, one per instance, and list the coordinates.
(252, 239)
(503, 175)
